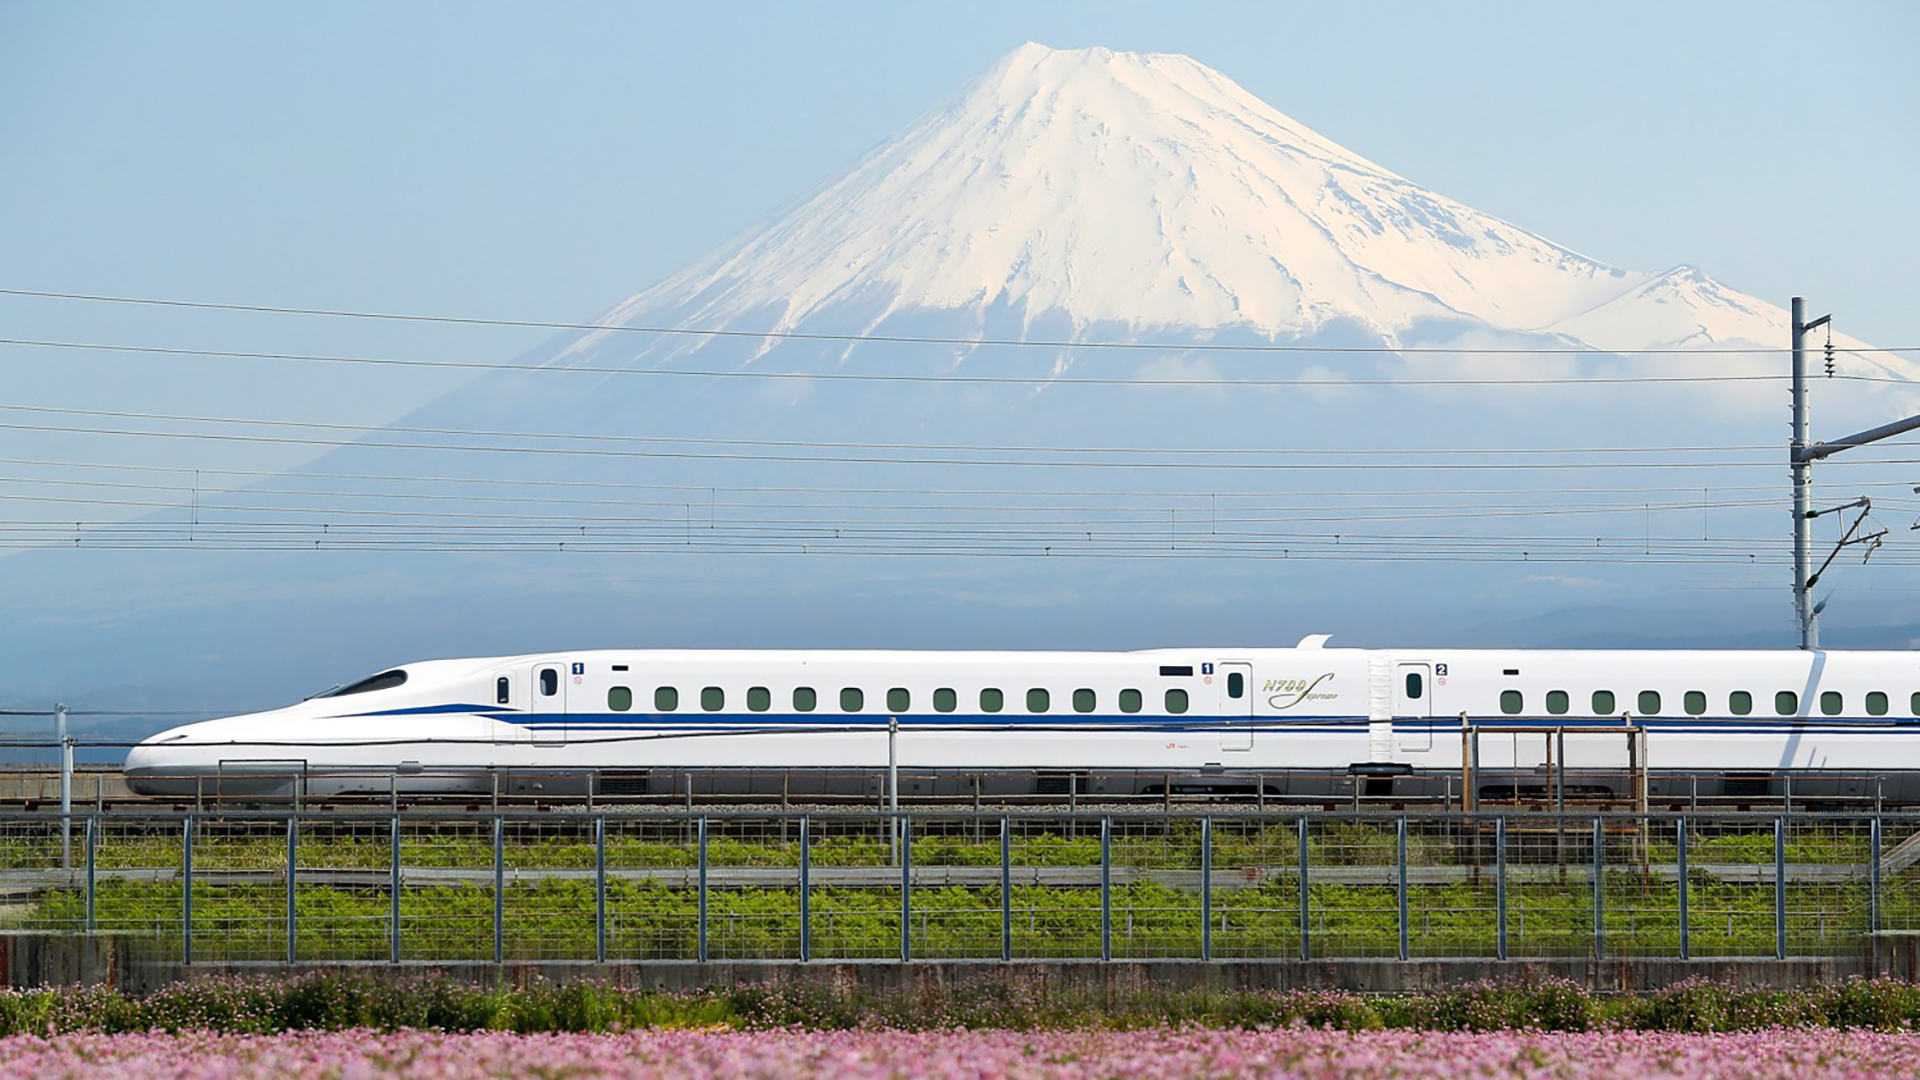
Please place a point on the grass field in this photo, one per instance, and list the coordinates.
(549, 906)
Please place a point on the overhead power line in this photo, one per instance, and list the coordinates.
(1238, 508)
(1192, 548)
(958, 492)
(878, 377)
(895, 339)
(803, 444)
(1422, 462)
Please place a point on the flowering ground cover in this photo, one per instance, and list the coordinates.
(1318, 1053)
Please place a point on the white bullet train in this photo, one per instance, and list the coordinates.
(1305, 721)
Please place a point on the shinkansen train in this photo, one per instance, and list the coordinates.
(1306, 721)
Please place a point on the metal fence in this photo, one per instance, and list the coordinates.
(443, 887)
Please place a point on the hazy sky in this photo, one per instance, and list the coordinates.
(546, 160)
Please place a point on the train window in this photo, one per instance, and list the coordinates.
(1511, 702)
(898, 700)
(1038, 700)
(805, 699)
(945, 700)
(992, 700)
(1603, 703)
(1739, 703)
(1830, 703)
(1876, 703)
(1415, 686)
(1914, 705)
(1557, 703)
(502, 690)
(759, 698)
(1236, 687)
(713, 699)
(386, 680)
(1129, 701)
(1649, 703)
(852, 699)
(666, 699)
(619, 698)
(549, 682)
(1695, 702)
(1083, 700)
(1176, 701)
(1786, 703)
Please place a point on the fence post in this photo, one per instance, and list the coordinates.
(393, 892)
(186, 892)
(1106, 887)
(905, 832)
(93, 843)
(806, 889)
(499, 889)
(1873, 875)
(700, 920)
(1500, 885)
(1006, 888)
(1206, 888)
(1599, 888)
(1779, 889)
(293, 863)
(1400, 884)
(1686, 939)
(599, 887)
(1306, 938)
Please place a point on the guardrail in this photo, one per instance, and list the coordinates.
(439, 887)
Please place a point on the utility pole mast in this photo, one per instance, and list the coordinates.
(1802, 470)
(1800, 457)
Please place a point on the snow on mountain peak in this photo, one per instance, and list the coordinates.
(1148, 191)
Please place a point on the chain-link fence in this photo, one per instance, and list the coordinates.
(1234, 884)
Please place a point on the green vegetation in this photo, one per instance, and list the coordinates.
(1022, 999)
(344, 907)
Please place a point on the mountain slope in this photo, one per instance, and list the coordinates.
(1148, 193)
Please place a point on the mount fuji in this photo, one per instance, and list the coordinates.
(1100, 194)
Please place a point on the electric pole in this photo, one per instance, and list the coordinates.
(1802, 472)
(1800, 457)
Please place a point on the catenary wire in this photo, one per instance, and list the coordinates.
(817, 459)
(870, 377)
(1232, 513)
(811, 489)
(399, 429)
(540, 324)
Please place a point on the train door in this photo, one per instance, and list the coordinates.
(1236, 706)
(548, 702)
(1413, 706)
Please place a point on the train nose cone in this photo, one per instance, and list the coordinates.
(148, 770)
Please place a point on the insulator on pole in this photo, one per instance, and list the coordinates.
(1829, 350)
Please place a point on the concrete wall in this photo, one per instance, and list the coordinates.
(43, 960)
(1366, 976)
(59, 959)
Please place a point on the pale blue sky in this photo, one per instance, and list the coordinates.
(545, 160)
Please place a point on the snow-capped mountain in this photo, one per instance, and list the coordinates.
(1149, 194)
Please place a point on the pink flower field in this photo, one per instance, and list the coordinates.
(854, 1055)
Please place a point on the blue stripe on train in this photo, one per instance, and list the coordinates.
(1014, 721)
